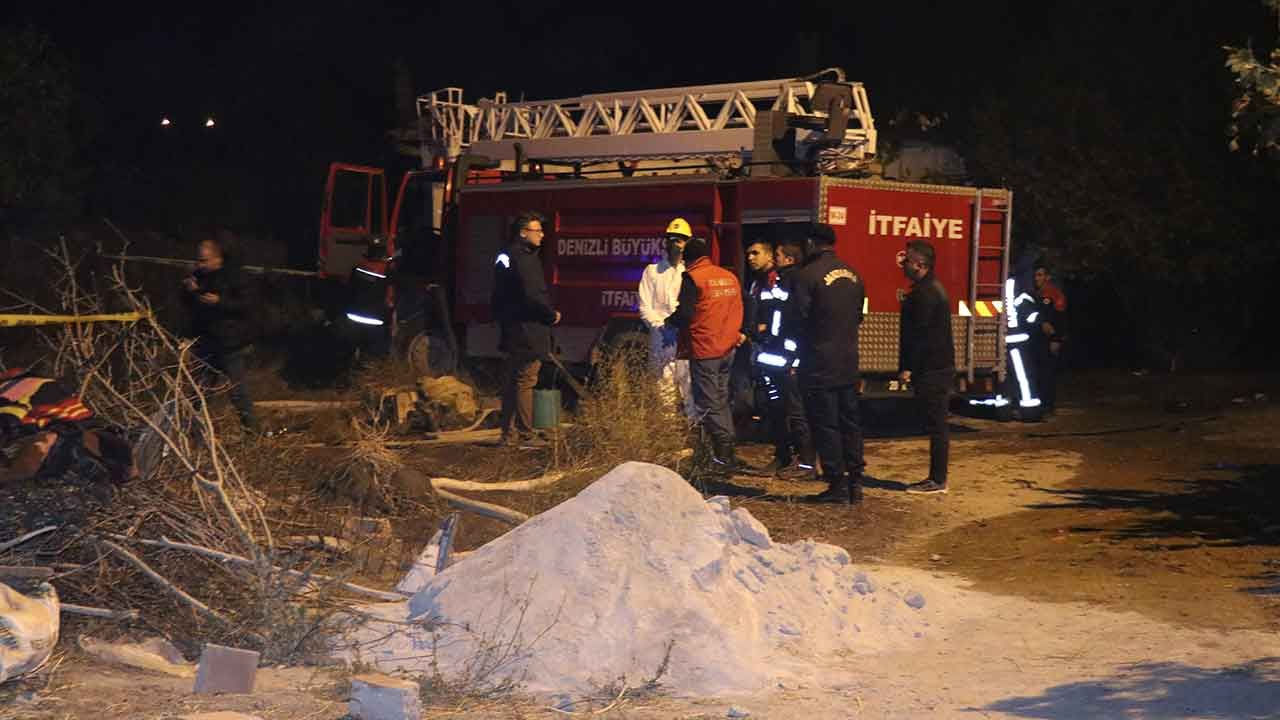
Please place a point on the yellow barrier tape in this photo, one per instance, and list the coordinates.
(22, 320)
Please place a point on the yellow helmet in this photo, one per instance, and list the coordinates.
(680, 227)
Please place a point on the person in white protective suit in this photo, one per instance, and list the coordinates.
(659, 293)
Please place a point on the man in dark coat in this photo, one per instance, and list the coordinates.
(826, 304)
(927, 356)
(522, 308)
(217, 301)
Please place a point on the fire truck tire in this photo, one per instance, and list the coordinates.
(430, 354)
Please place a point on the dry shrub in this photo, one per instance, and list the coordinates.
(625, 417)
(195, 545)
(365, 470)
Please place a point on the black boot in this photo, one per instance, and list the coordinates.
(855, 489)
(837, 490)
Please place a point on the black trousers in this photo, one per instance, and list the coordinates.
(231, 364)
(1046, 373)
(837, 428)
(933, 394)
(788, 425)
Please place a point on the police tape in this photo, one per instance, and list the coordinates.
(24, 320)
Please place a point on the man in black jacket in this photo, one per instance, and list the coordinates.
(826, 309)
(217, 302)
(927, 356)
(522, 309)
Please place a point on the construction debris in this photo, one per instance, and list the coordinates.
(155, 654)
(381, 697)
(29, 624)
(226, 670)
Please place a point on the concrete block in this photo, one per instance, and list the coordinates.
(219, 716)
(226, 670)
(381, 697)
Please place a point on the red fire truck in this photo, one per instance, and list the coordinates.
(740, 161)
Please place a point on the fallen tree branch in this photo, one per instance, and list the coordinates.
(305, 404)
(497, 512)
(244, 561)
(514, 486)
(164, 583)
(33, 534)
(100, 612)
(25, 572)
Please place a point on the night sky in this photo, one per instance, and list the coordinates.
(292, 86)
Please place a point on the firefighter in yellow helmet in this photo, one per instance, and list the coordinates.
(658, 292)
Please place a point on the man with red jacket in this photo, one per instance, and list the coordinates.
(709, 319)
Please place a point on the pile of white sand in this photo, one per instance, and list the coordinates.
(601, 586)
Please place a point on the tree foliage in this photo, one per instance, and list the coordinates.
(1115, 183)
(1255, 114)
(37, 138)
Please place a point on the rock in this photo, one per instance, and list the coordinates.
(156, 654)
(219, 716)
(225, 670)
(375, 696)
(364, 527)
(737, 712)
(915, 600)
(862, 584)
(29, 626)
(750, 529)
(452, 401)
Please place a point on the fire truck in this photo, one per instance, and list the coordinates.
(740, 161)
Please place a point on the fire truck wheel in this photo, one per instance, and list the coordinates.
(430, 354)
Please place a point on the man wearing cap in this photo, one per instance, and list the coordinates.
(826, 302)
(659, 293)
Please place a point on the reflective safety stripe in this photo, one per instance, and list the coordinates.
(504, 260)
(768, 358)
(779, 293)
(1008, 299)
(997, 401)
(766, 295)
(363, 319)
(1024, 384)
(984, 310)
(789, 344)
(1015, 339)
(370, 272)
(795, 363)
(964, 309)
(1032, 317)
(866, 304)
(777, 323)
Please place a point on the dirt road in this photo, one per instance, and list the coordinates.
(1120, 560)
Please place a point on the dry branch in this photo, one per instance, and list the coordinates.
(25, 572)
(513, 486)
(29, 536)
(100, 612)
(164, 583)
(496, 512)
(244, 561)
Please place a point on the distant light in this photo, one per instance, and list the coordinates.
(164, 122)
(209, 123)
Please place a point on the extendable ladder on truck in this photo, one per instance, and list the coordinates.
(695, 122)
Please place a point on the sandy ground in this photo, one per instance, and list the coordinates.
(1117, 561)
